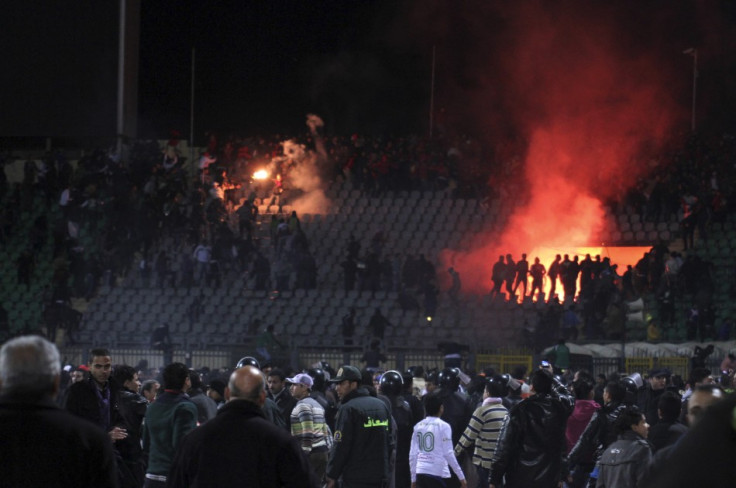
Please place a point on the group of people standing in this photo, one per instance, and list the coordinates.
(315, 429)
(510, 275)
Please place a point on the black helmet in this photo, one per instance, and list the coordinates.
(449, 379)
(476, 385)
(633, 383)
(318, 376)
(327, 368)
(248, 361)
(432, 377)
(391, 383)
(415, 371)
(510, 382)
(498, 386)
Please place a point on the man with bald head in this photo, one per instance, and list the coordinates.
(239, 446)
(42, 444)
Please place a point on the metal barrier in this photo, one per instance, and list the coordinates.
(677, 365)
(502, 363)
(605, 366)
(396, 358)
(155, 359)
(639, 365)
(334, 357)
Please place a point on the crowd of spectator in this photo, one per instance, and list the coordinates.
(112, 218)
(548, 426)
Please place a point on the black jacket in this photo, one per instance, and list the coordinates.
(240, 447)
(510, 401)
(598, 435)
(665, 433)
(624, 462)
(532, 444)
(648, 402)
(458, 409)
(328, 405)
(286, 404)
(132, 409)
(362, 444)
(43, 445)
(83, 402)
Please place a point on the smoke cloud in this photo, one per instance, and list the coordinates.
(303, 167)
(594, 89)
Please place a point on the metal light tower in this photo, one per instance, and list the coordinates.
(694, 53)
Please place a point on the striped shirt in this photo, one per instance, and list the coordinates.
(483, 431)
(309, 426)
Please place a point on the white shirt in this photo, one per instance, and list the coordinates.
(432, 450)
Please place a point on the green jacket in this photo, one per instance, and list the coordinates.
(167, 421)
(362, 441)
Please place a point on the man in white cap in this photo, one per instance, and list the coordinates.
(308, 424)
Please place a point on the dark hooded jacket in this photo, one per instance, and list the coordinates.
(598, 435)
(624, 462)
(532, 443)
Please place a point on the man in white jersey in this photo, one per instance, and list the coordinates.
(431, 453)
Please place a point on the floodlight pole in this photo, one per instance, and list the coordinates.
(121, 80)
(694, 53)
(431, 93)
(191, 109)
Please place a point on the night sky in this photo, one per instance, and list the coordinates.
(364, 66)
(261, 66)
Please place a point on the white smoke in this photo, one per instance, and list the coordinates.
(294, 151)
(300, 168)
